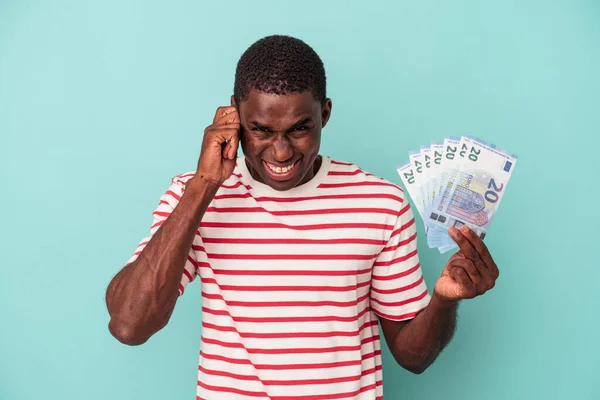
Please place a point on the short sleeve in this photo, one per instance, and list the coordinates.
(168, 202)
(398, 290)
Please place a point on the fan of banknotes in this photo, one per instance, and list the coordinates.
(458, 182)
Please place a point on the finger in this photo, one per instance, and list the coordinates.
(222, 111)
(226, 115)
(479, 246)
(480, 276)
(486, 274)
(233, 117)
(460, 276)
(470, 269)
(456, 256)
(229, 131)
(219, 138)
(233, 145)
(228, 137)
(485, 264)
(226, 150)
(222, 131)
(464, 245)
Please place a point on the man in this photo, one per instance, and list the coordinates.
(300, 256)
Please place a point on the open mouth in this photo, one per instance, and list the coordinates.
(280, 172)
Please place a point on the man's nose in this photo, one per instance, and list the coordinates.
(282, 149)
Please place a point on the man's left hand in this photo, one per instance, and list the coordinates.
(469, 273)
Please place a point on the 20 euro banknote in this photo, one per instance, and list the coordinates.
(472, 192)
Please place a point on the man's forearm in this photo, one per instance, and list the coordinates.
(420, 341)
(141, 297)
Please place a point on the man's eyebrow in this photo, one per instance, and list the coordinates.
(300, 122)
(260, 126)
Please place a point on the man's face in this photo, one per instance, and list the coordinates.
(281, 135)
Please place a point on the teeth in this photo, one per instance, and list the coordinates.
(280, 170)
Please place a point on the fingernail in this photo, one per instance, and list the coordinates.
(453, 231)
(464, 229)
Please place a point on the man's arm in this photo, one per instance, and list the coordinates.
(416, 344)
(141, 297)
(469, 273)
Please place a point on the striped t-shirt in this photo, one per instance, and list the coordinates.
(292, 283)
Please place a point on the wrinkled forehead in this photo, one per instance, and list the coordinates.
(270, 109)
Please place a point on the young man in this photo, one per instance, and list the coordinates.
(300, 256)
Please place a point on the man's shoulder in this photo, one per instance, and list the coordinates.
(183, 178)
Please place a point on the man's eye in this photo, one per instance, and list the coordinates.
(259, 129)
(301, 128)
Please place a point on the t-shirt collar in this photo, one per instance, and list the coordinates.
(301, 190)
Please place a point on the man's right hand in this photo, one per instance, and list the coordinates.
(219, 146)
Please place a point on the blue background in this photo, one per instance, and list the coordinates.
(101, 102)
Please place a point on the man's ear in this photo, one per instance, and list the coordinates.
(326, 112)
(233, 102)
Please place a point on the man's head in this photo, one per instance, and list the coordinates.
(280, 95)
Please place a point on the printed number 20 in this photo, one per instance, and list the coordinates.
(492, 195)
(474, 153)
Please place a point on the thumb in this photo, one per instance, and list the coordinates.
(228, 165)
(233, 143)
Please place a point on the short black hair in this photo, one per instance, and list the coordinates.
(279, 64)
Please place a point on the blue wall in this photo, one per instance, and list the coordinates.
(101, 102)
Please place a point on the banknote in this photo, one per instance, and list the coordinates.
(460, 181)
(446, 166)
(416, 160)
(426, 189)
(473, 191)
(407, 175)
(437, 152)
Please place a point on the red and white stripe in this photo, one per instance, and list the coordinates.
(292, 283)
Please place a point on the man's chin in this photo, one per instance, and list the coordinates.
(280, 185)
